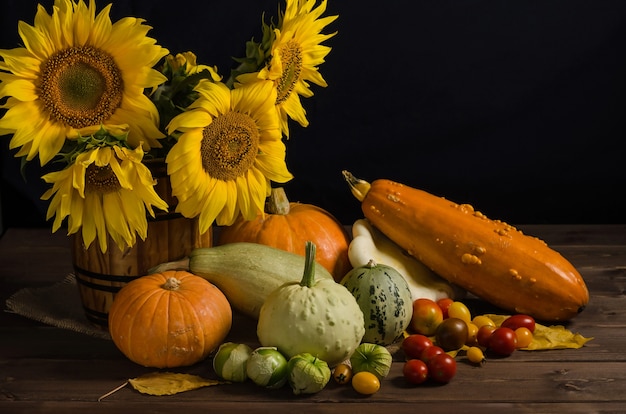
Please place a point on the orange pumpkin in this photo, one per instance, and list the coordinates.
(169, 319)
(288, 226)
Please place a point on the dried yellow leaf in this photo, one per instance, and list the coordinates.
(169, 383)
(549, 337)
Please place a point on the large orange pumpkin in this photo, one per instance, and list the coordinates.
(288, 226)
(169, 319)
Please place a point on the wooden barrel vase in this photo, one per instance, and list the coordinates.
(101, 275)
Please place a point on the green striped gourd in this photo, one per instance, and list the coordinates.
(384, 298)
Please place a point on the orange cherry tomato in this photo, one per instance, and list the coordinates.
(342, 374)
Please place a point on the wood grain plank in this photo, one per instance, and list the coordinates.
(502, 381)
(365, 406)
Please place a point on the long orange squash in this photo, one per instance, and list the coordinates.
(489, 258)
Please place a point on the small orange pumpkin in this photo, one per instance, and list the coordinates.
(169, 319)
(288, 226)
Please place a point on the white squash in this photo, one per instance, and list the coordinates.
(315, 316)
(368, 243)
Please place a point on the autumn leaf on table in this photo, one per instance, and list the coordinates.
(166, 383)
(549, 337)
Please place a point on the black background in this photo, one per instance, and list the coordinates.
(516, 107)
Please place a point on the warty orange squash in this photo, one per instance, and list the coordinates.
(488, 258)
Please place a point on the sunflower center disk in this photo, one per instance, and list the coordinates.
(101, 180)
(230, 145)
(291, 56)
(81, 86)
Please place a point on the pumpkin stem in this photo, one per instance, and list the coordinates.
(171, 284)
(277, 202)
(308, 277)
(371, 263)
(359, 187)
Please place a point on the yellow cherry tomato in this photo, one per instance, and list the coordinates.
(524, 337)
(342, 374)
(472, 330)
(481, 320)
(366, 383)
(459, 310)
(475, 355)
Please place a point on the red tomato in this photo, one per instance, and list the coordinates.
(430, 352)
(415, 371)
(519, 321)
(444, 304)
(503, 341)
(442, 368)
(484, 334)
(413, 345)
(427, 316)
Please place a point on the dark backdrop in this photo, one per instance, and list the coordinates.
(516, 107)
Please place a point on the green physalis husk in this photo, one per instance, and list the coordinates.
(230, 361)
(307, 374)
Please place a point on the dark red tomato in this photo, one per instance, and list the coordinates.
(519, 321)
(442, 368)
(484, 334)
(430, 352)
(415, 371)
(503, 341)
(451, 334)
(444, 304)
(413, 345)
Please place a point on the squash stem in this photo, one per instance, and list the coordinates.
(308, 277)
(359, 187)
(171, 284)
(277, 202)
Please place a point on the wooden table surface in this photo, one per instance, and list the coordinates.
(44, 369)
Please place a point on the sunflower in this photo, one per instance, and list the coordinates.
(107, 190)
(77, 72)
(186, 63)
(229, 151)
(296, 53)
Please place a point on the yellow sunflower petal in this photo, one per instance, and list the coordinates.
(75, 220)
(13, 118)
(217, 97)
(94, 227)
(293, 107)
(259, 188)
(229, 213)
(189, 119)
(101, 27)
(51, 141)
(21, 89)
(213, 204)
(271, 162)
